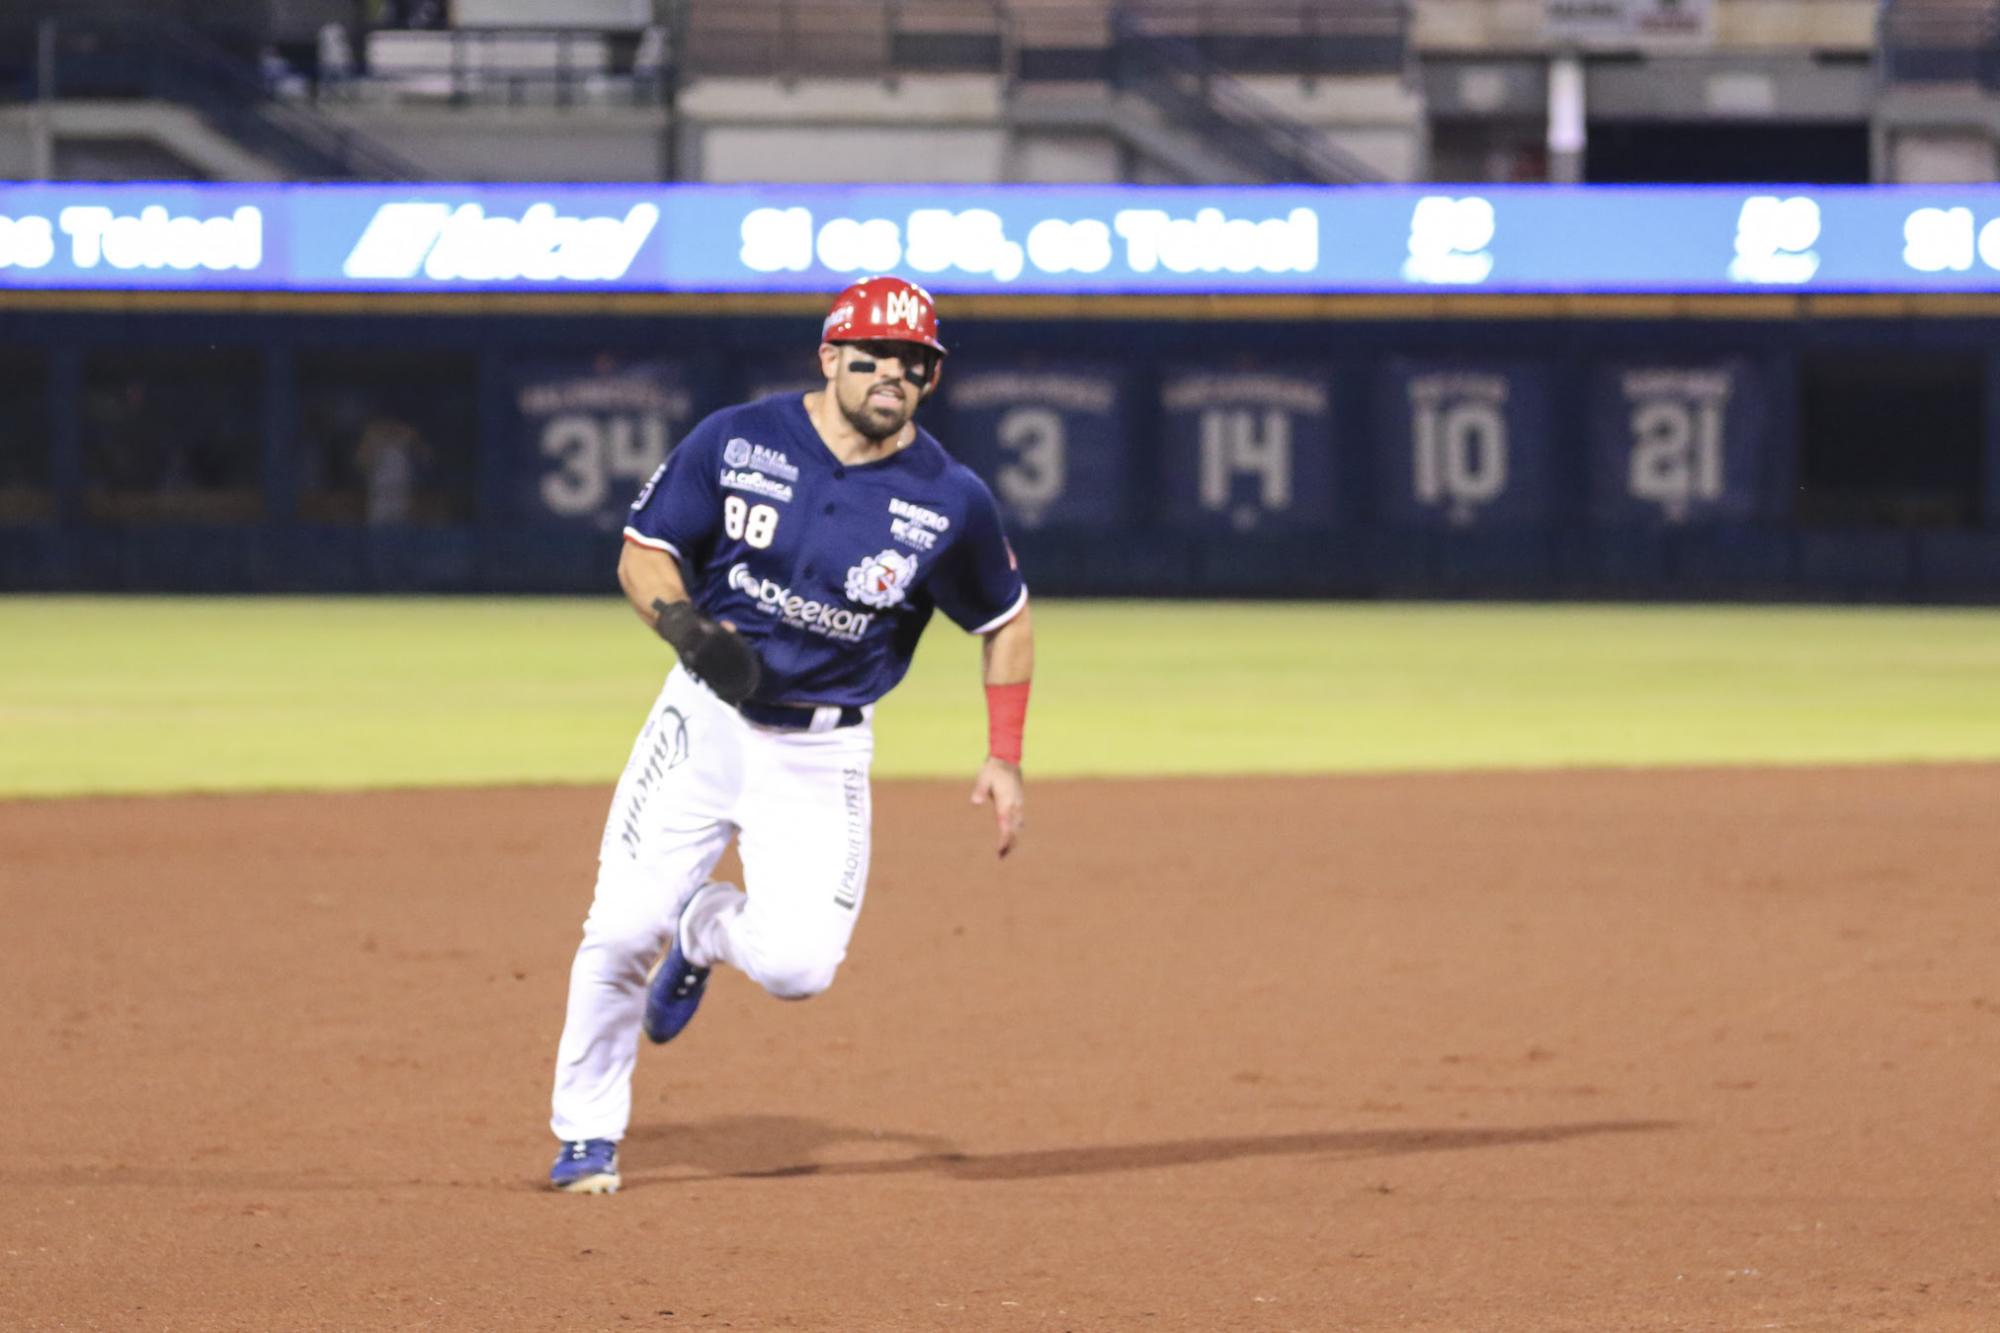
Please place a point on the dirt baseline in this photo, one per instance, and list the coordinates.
(1589, 1051)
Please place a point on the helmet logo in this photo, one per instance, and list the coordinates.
(902, 306)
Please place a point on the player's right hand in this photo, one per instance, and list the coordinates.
(724, 659)
(1000, 783)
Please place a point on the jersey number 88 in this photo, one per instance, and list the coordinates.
(754, 525)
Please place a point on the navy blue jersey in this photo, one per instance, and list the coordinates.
(830, 569)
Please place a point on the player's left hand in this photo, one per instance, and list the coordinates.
(1000, 783)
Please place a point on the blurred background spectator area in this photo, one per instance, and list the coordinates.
(169, 434)
(1210, 91)
(391, 440)
(385, 437)
(25, 484)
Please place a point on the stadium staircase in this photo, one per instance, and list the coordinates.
(1191, 92)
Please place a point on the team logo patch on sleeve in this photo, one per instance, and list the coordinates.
(882, 579)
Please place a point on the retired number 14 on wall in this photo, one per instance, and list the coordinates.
(1248, 451)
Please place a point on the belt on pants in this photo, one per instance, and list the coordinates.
(802, 717)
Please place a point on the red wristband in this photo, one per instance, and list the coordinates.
(1006, 716)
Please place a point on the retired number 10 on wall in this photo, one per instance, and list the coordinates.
(1463, 445)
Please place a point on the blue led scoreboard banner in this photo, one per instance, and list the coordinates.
(1463, 446)
(1050, 239)
(1052, 443)
(1248, 451)
(590, 431)
(1675, 443)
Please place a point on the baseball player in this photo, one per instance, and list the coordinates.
(791, 549)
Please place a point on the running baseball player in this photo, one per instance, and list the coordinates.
(791, 550)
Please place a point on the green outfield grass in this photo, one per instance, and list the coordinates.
(219, 694)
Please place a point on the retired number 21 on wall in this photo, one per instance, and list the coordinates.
(1678, 443)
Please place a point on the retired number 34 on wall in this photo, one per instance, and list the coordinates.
(1248, 451)
(591, 431)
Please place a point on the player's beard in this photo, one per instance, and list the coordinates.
(878, 421)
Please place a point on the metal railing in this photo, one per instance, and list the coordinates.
(136, 57)
(792, 39)
(1180, 56)
(515, 65)
(1304, 37)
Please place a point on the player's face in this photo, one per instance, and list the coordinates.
(877, 385)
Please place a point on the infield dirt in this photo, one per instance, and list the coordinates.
(1570, 1051)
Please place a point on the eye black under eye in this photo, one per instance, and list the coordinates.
(916, 361)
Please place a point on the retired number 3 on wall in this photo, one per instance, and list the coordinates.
(1054, 443)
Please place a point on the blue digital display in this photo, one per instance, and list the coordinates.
(1045, 239)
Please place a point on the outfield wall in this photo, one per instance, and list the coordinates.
(1756, 446)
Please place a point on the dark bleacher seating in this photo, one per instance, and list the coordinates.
(1035, 39)
(1940, 41)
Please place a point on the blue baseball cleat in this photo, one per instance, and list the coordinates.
(587, 1166)
(674, 987)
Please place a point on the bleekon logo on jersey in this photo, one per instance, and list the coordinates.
(830, 619)
(882, 579)
(442, 243)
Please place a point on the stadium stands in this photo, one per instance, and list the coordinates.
(1937, 118)
(1143, 90)
(1940, 41)
(1569, 438)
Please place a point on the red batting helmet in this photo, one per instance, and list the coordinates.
(884, 309)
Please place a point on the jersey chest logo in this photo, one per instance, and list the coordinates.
(741, 453)
(882, 580)
(914, 525)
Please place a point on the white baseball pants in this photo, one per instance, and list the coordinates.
(798, 802)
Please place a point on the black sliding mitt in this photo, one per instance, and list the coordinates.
(722, 658)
